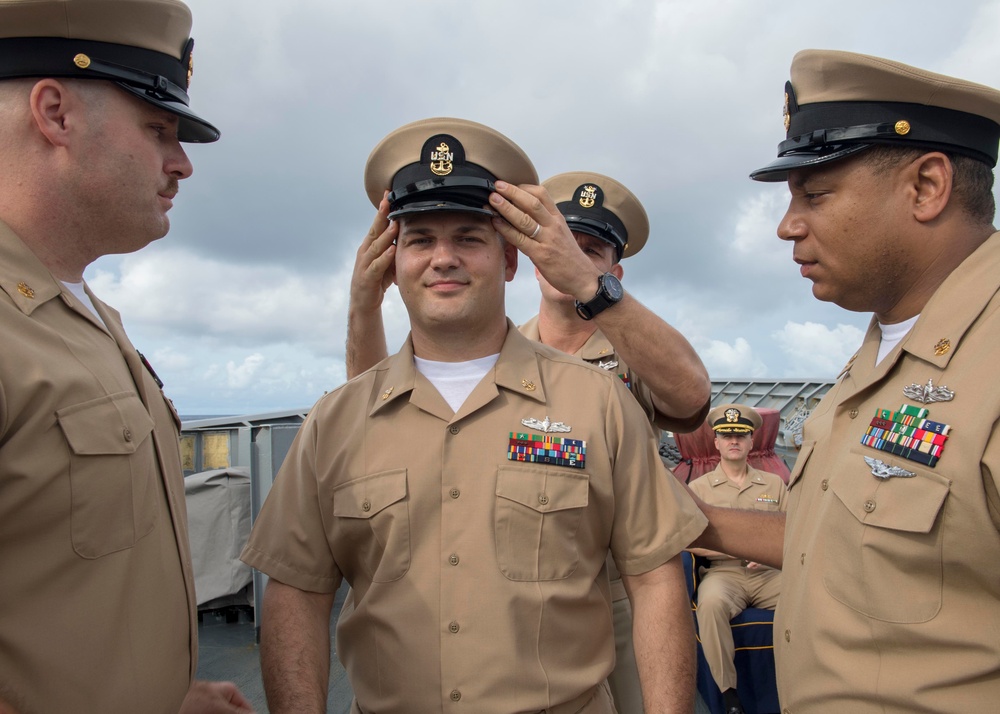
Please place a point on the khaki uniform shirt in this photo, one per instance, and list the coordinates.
(97, 608)
(599, 351)
(479, 582)
(891, 594)
(761, 491)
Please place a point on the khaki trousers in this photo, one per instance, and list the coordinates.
(726, 590)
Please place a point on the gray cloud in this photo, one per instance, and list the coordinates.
(243, 306)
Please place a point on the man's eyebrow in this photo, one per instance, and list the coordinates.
(428, 230)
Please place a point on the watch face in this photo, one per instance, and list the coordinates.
(613, 286)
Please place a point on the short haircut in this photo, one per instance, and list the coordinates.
(972, 180)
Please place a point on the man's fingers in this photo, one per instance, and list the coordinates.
(521, 208)
(378, 226)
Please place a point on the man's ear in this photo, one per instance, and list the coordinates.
(510, 260)
(930, 178)
(51, 104)
(617, 270)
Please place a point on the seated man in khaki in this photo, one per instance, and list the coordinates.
(730, 585)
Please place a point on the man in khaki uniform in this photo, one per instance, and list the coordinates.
(470, 488)
(730, 585)
(890, 598)
(597, 221)
(97, 607)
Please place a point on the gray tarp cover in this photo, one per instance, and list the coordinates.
(218, 504)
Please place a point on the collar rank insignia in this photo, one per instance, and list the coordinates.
(25, 289)
(907, 433)
(928, 393)
(546, 425)
(882, 470)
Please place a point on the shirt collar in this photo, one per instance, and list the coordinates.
(516, 370)
(22, 275)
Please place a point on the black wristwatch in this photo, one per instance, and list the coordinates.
(609, 292)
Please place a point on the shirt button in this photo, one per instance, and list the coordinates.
(454, 429)
(803, 559)
(453, 559)
(825, 484)
(543, 499)
(453, 627)
(869, 506)
(788, 635)
(366, 505)
(454, 493)
(127, 433)
(854, 414)
(455, 695)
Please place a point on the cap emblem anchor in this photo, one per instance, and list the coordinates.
(588, 196)
(442, 160)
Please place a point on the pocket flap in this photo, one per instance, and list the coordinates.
(907, 504)
(366, 496)
(543, 490)
(113, 424)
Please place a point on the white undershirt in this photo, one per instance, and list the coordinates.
(82, 296)
(455, 380)
(892, 335)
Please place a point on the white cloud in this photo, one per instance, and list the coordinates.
(734, 359)
(816, 350)
(239, 376)
(754, 234)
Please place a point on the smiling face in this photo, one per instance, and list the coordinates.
(451, 268)
(848, 228)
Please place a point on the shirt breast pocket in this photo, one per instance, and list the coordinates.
(112, 473)
(884, 546)
(373, 515)
(538, 512)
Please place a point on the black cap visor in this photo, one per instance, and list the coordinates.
(599, 229)
(778, 169)
(154, 77)
(453, 193)
(191, 128)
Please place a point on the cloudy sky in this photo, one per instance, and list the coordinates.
(242, 308)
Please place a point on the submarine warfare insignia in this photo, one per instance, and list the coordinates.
(882, 470)
(539, 449)
(907, 433)
(928, 393)
(546, 425)
(608, 364)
